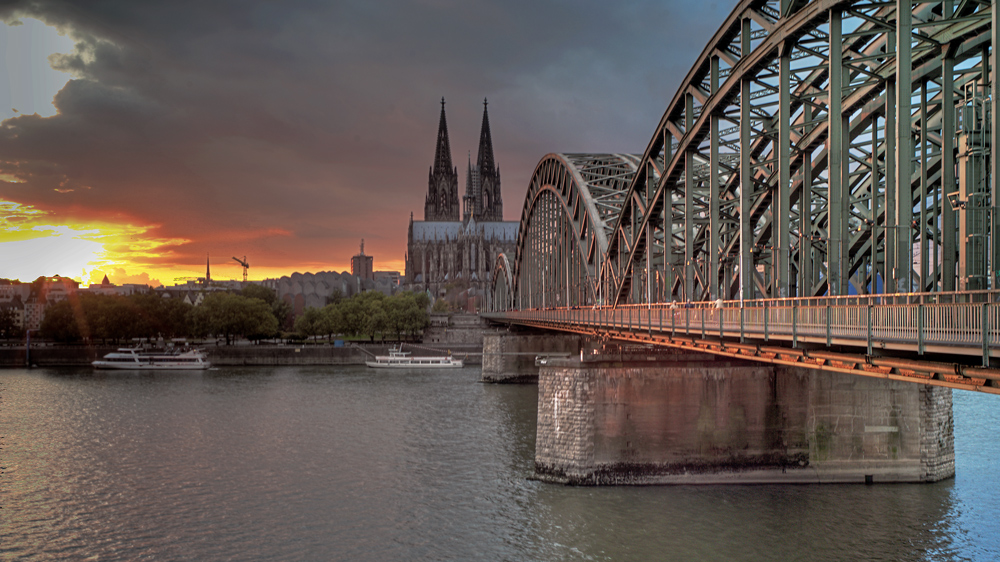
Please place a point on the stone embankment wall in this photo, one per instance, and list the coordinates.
(52, 356)
(245, 355)
(724, 421)
(455, 329)
(260, 355)
(70, 356)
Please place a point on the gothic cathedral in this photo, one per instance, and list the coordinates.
(450, 256)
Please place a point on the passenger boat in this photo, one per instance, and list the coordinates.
(128, 358)
(399, 359)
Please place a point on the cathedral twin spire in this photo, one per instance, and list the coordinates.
(442, 184)
(482, 199)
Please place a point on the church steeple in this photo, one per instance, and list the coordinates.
(469, 199)
(442, 156)
(489, 204)
(485, 160)
(442, 184)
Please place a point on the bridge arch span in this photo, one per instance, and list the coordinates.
(501, 294)
(572, 202)
(810, 151)
(825, 165)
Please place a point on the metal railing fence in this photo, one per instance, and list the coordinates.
(966, 323)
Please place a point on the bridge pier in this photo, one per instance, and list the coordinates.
(509, 357)
(688, 418)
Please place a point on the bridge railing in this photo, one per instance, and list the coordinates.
(962, 323)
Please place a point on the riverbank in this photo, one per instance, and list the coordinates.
(45, 355)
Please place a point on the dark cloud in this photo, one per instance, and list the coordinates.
(226, 122)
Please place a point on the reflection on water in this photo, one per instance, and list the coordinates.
(354, 464)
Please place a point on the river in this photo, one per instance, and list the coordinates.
(347, 463)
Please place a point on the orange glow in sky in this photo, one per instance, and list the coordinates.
(33, 242)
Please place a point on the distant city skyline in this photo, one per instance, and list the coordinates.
(139, 137)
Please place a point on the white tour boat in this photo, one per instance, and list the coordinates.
(128, 358)
(399, 359)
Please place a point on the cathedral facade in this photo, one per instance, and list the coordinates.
(451, 253)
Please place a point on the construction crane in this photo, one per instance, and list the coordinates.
(245, 265)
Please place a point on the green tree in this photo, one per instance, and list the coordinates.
(153, 320)
(173, 317)
(255, 291)
(308, 325)
(336, 297)
(281, 310)
(351, 315)
(200, 322)
(374, 318)
(441, 306)
(406, 313)
(60, 323)
(363, 314)
(422, 299)
(331, 321)
(8, 324)
(231, 316)
(417, 317)
(258, 321)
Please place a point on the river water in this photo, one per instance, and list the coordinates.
(352, 464)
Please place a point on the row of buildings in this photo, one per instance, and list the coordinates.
(26, 302)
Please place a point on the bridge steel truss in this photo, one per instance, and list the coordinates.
(571, 208)
(832, 131)
(817, 148)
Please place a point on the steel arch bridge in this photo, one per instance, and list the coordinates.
(815, 149)
(570, 211)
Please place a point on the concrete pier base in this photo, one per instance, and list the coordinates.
(509, 357)
(695, 419)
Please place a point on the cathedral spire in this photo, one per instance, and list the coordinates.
(485, 161)
(442, 184)
(489, 205)
(469, 200)
(442, 156)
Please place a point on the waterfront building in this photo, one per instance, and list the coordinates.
(108, 288)
(14, 290)
(34, 311)
(56, 288)
(447, 254)
(392, 276)
(361, 265)
(316, 290)
(14, 307)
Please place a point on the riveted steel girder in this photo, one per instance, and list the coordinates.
(823, 147)
(572, 202)
(811, 150)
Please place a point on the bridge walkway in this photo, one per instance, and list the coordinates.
(919, 337)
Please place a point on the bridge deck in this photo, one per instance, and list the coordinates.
(882, 335)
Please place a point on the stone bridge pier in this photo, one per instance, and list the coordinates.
(509, 357)
(620, 415)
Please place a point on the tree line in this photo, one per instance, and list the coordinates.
(255, 314)
(368, 314)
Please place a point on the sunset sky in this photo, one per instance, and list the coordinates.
(138, 138)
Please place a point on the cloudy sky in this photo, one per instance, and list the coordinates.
(140, 137)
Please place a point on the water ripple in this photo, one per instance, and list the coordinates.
(350, 464)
